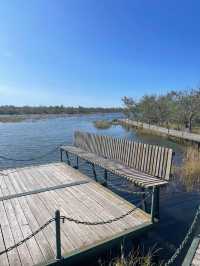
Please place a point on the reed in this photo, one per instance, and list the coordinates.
(102, 124)
(190, 170)
(135, 258)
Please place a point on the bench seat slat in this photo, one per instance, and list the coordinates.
(137, 177)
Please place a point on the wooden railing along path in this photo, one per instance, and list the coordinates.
(170, 132)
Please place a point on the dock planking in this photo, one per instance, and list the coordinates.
(25, 205)
(196, 258)
(192, 257)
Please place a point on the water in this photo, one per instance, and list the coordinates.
(29, 139)
(33, 138)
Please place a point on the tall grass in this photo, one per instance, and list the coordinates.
(136, 258)
(190, 170)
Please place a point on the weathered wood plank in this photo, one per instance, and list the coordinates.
(119, 149)
(40, 238)
(88, 202)
(115, 167)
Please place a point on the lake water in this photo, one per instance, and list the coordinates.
(31, 139)
(28, 139)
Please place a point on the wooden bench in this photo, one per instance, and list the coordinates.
(147, 166)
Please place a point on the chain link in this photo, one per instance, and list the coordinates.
(185, 240)
(107, 221)
(28, 237)
(70, 219)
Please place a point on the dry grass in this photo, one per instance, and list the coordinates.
(11, 118)
(190, 170)
(136, 258)
(196, 130)
(102, 124)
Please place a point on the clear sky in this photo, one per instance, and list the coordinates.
(93, 52)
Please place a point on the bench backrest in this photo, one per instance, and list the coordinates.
(151, 159)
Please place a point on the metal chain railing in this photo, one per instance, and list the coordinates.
(110, 220)
(185, 240)
(25, 239)
(57, 219)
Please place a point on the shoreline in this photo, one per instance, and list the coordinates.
(165, 132)
(15, 118)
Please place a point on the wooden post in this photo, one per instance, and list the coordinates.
(58, 239)
(61, 155)
(68, 160)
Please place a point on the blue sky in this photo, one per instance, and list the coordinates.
(93, 52)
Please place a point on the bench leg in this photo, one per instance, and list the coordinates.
(105, 178)
(157, 202)
(153, 205)
(68, 160)
(77, 162)
(77, 165)
(144, 204)
(94, 172)
(61, 155)
(155, 208)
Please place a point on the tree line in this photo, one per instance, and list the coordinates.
(180, 109)
(26, 110)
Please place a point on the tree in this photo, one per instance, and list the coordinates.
(131, 107)
(148, 108)
(176, 107)
(188, 102)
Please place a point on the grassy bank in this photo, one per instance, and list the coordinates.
(105, 124)
(41, 110)
(21, 118)
(12, 118)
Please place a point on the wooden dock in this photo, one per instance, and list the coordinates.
(169, 132)
(193, 255)
(29, 197)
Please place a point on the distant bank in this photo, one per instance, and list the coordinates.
(18, 114)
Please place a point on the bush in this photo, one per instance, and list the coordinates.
(102, 124)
